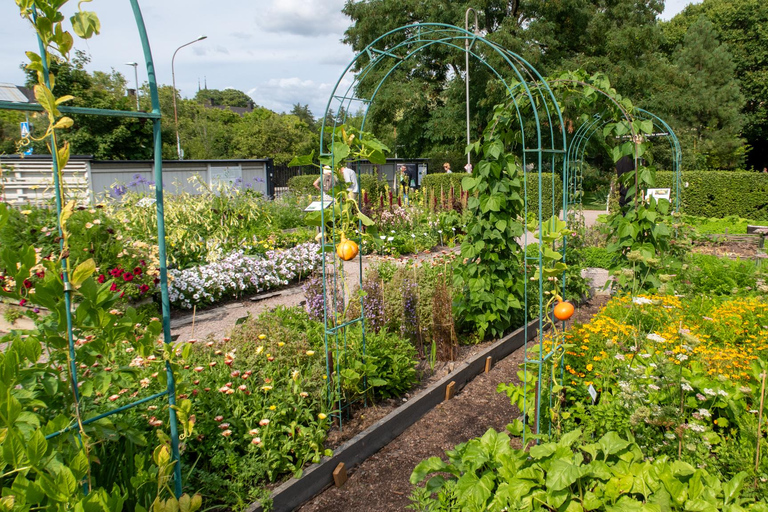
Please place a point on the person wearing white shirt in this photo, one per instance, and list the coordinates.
(350, 177)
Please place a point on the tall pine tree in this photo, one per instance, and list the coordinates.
(704, 101)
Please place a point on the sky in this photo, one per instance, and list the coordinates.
(280, 52)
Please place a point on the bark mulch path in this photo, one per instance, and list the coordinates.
(381, 482)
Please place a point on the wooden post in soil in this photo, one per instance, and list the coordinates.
(450, 389)
(759, 426)
(340, 475)
(488, 364)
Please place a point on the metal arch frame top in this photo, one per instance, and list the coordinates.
(528, 93)
(583, 135)
(155, 115)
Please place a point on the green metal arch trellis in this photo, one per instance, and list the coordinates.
(543, 144)
(578, 145)
(155, 116)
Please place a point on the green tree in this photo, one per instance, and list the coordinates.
(303, 113)
(704, 101)
(104, 137)
(227, 97)
(265, 134)
(740, 24)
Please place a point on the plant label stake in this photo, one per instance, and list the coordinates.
(592, 393)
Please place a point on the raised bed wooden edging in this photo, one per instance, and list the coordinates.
(295, 492)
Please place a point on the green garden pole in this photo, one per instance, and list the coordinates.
(165, 302)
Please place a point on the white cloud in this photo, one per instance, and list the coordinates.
(309, 18)
(280, 94)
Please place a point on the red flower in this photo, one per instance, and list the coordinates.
(128, 277)
(137, 271)
(121, 294)
(156, 280)
(113, 288)
(143, 288)
(142, 263)
(22, 302)
(101, 278)
(27, 283)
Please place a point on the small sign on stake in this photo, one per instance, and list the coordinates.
(658, 193)
(592, 392)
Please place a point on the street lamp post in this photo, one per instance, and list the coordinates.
(173, 76)
(136, 74)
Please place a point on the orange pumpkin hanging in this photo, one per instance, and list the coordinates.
(564, 310)
(347, 249)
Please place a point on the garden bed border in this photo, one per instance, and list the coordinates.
(295, 492)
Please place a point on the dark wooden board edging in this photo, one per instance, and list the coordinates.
(295, 492)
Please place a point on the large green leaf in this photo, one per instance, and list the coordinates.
(562, 474)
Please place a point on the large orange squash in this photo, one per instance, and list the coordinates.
(564, 310)
(347, 249)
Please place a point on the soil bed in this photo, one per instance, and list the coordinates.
(381, 482)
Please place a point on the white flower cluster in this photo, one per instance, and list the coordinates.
(236, 274)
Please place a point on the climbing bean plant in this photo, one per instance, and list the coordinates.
(490, 274)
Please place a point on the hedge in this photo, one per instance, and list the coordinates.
(721, 193)
(445, 180)
(303, 184)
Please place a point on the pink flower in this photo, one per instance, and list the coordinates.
(219, 418)
(242, 387)
(256, 441)
(227, 433)
(212, 364)
(113, 398)
(235, 373)
(198, 369)
(264, 422)
(253, 431)
(224, 426)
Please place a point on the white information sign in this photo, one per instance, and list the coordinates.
(658, 193)
(228, 174)
(592, 392)
(316, 206)
(24, 129)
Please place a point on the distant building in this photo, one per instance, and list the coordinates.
(241, 111)
(16, 93)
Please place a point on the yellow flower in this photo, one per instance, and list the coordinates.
(310, 352)
(280, 344)
(266, 388)
(322, 416)
(272, 407)
(259, 350)
(262, 336)
(25, 212)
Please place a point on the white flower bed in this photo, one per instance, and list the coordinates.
(237, 274)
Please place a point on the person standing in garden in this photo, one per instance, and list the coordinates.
(328, 182)
(350, 177)
(447, 168)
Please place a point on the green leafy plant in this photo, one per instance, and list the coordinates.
(611, 474)
(489, 277)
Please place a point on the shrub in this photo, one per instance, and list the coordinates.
(368, 182)
(302, 185)
(722, 193)
(434, 182)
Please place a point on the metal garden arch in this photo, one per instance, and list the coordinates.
(583, 135)
(542, 132)
(155, 116)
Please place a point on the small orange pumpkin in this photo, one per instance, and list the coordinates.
(347, 249)
(564, 310)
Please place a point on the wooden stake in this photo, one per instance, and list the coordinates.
(340, 475)
(450, 389)
(488, 364)
(759, 426)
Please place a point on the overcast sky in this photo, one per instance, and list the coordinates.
(280, 52)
